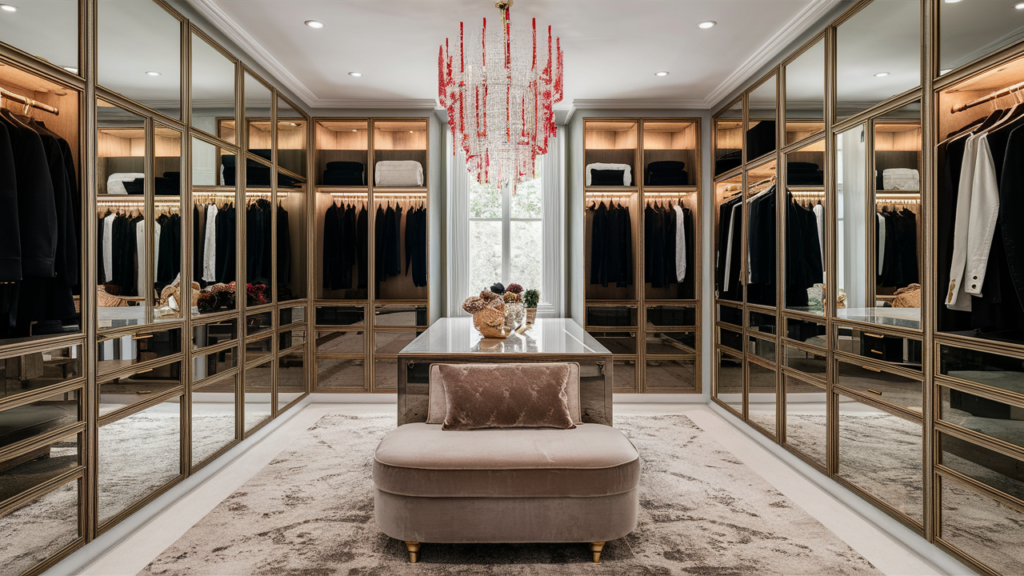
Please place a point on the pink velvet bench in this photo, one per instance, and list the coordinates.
(505, 485)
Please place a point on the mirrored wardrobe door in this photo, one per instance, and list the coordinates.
(168, 238)
(728, 237)
(139, 53)
(729, 138)
(854, 275)
(899, 221)
(761, 127)
(292, 144)
(213, 89)
(969, 31)
(805, 94)
(123, 264)
(878, 55)
(214, 231)
(761, 249)
(258, 118)
(805, 218)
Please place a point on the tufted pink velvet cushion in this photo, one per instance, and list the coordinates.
(438, 408)
(506, 396)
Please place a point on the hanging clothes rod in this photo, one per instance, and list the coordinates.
(29, 102)
(993, 96)
(667, 194)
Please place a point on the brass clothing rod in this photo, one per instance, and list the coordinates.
(993, 96)
(29, 102)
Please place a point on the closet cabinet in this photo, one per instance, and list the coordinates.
(883, 357)
(641, 247)
(174, 321)
(371, 260)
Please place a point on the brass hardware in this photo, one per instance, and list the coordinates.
(876, 351)
(144, 371)
(414, 551)
(596, 548)
(143, 337)
(144, 391)
(874, 391)
(870, 368)
(870, 335)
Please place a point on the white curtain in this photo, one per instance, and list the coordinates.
(458, 231)
(553, 192)
(854, 225)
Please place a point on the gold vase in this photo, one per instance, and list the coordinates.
(531, 316)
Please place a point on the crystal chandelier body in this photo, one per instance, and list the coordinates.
(500, 95)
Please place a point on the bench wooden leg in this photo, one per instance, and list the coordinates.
(414, 551)
(596, 548)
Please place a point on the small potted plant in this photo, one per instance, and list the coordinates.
(531, 298)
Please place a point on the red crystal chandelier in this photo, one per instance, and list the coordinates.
(500, 98)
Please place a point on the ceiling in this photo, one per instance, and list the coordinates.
(612, 47)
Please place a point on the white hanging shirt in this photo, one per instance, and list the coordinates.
(680, 244)
(210, 245)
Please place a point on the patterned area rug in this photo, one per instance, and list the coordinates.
(702, 512)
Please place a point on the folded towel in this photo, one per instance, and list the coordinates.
(115, 182)
(395, 173)
(627, 176)
(901, 179)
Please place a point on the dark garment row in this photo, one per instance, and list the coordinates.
(804, 174)
(221, 255)
(345, 247)
(168, 264)
(611, 246)
(897, 264)
(761, 251)
(804, 267)
(39, 235)
(124, 270)
(662, 265)
(1000, 307)
(258, 239)
(388, 247)
(727, 264)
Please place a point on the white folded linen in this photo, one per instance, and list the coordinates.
(627, 178)
(901, 179)
(115, 182)
(398, 173)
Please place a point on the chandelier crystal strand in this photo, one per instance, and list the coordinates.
(500, 115)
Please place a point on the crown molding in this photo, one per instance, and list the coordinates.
(770, 49)
(247, 43)
(637, 104)
(383, 103)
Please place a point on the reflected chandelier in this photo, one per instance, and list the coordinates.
(500, 100)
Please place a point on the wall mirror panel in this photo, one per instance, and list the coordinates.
(854, 276)
(139, 53)
(138, 455)
(805, 94)
(806, 418)
(878, 55)
(46, 30)
(291, 380)
(729, 138)
(730, 388)
(981, 526)
(292, 142)
(167, 249)
(761, 253)
(899, 235)
(259, 388)
(972, 30)
(213, 87)
(993, 418)
(258, 118)
(762, 401)
(762, 132)
(805, 229)
(215, 246)
(213, 417)
(41, 526)
(880, 453)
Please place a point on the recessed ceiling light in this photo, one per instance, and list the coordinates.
(71, 69)
(944, 72)
(1020, 6)
(355, 74)
(662, 73)
(293, 123)
(314, 24)
(706, 25)
(952, 1)
(881, 75)
(8, 8)
(152, 73)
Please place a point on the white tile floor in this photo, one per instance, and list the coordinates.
(134, 552)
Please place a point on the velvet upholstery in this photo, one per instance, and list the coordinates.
(517, 396)
(437, 407)
(424, 461)
(506, 520)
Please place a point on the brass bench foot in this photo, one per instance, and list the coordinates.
(414, 551)
(596, 548)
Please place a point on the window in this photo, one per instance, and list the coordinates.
(506, 240)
